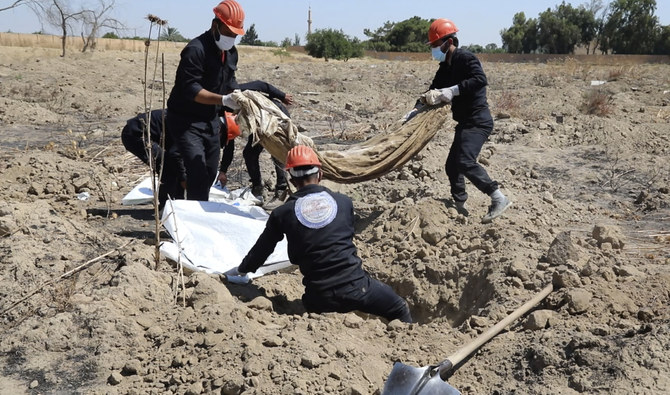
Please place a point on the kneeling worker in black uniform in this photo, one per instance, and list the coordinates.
(319, 227)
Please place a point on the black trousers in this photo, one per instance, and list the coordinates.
(367, 295)
(171, 177)
(198, 144)
(462, 162)
(136, 145)
(251, 154)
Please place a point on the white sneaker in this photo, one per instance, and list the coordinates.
(496, 209)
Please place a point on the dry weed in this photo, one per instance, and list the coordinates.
(62, 293)
(544, 80)
(508, 103)
(620, 72)
(597, 102)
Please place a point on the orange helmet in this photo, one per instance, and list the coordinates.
(440, 28)
(231, 124)
(231, 14)
(301, 155)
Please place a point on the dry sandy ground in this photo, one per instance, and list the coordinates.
(591, 214)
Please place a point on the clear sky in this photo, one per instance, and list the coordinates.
(479, 21)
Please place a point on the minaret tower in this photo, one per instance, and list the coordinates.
(309, 21)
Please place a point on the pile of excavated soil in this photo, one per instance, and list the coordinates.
(591, 214)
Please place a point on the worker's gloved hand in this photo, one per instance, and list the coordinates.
(234, 276)
(448, 94)
(410, 115)
(228, 101)
(432, 97)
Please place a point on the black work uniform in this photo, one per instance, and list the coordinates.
(319, 227)
(471, 110)
(194, 127)
(251, 152)
(134, 136)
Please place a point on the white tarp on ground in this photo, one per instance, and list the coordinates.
(215, 236)
(143, 194)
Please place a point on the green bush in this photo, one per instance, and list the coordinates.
(333, 44)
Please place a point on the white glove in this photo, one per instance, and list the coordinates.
(448, 94)
(234, 276)
(228, 101)
(432, 97)
(410, 115)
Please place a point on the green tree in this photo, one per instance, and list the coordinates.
(250, 36)
(407, 36)
(286, 42)
(378, 39)
(474, 48)
(558, 30)
(631, 27)
(333, 44)
(521, 37)
(172, 34)
(296, 40)
(110, 35)
(662, 46)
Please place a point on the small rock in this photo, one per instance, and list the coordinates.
(114, 378)
(310, 360)
(351, 320)
(208, 291)
(34, 384)
(478, 322)
(273, 341)
(131, 368)
(645, 314)
(518, 269)
(578, 300)
(566, 279)
(539, 319)
(608, 234)
(261, 303)
(562, 250)
(628, 271)
(194, 389)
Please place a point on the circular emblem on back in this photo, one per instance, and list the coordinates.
(316, 210)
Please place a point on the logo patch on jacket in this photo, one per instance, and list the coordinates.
(316, 210)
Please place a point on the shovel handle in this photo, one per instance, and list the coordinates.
(446, 365)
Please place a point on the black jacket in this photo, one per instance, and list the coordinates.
(200, 68)
(470, 107)
(326, 256)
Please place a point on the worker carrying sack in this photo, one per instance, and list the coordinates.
(364, 161)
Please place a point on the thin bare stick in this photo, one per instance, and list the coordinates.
(180, 266)
(62, 277)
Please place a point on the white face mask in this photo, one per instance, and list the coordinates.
(438, 54)
(224, 42)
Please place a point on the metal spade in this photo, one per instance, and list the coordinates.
(431, 380)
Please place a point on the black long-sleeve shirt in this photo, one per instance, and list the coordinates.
(470, 107)
(320, 238)
(201, 67)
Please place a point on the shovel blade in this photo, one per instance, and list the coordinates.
(408, 380)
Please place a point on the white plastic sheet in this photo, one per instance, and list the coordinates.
(215, 236)
(143, 194)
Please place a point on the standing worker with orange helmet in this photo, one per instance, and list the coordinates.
(460, 80)
(319, 227)
(204, 80)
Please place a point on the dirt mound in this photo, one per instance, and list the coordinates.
(590, 215)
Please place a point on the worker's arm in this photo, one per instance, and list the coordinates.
(264, 247)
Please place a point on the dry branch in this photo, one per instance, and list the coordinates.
(62, 277)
